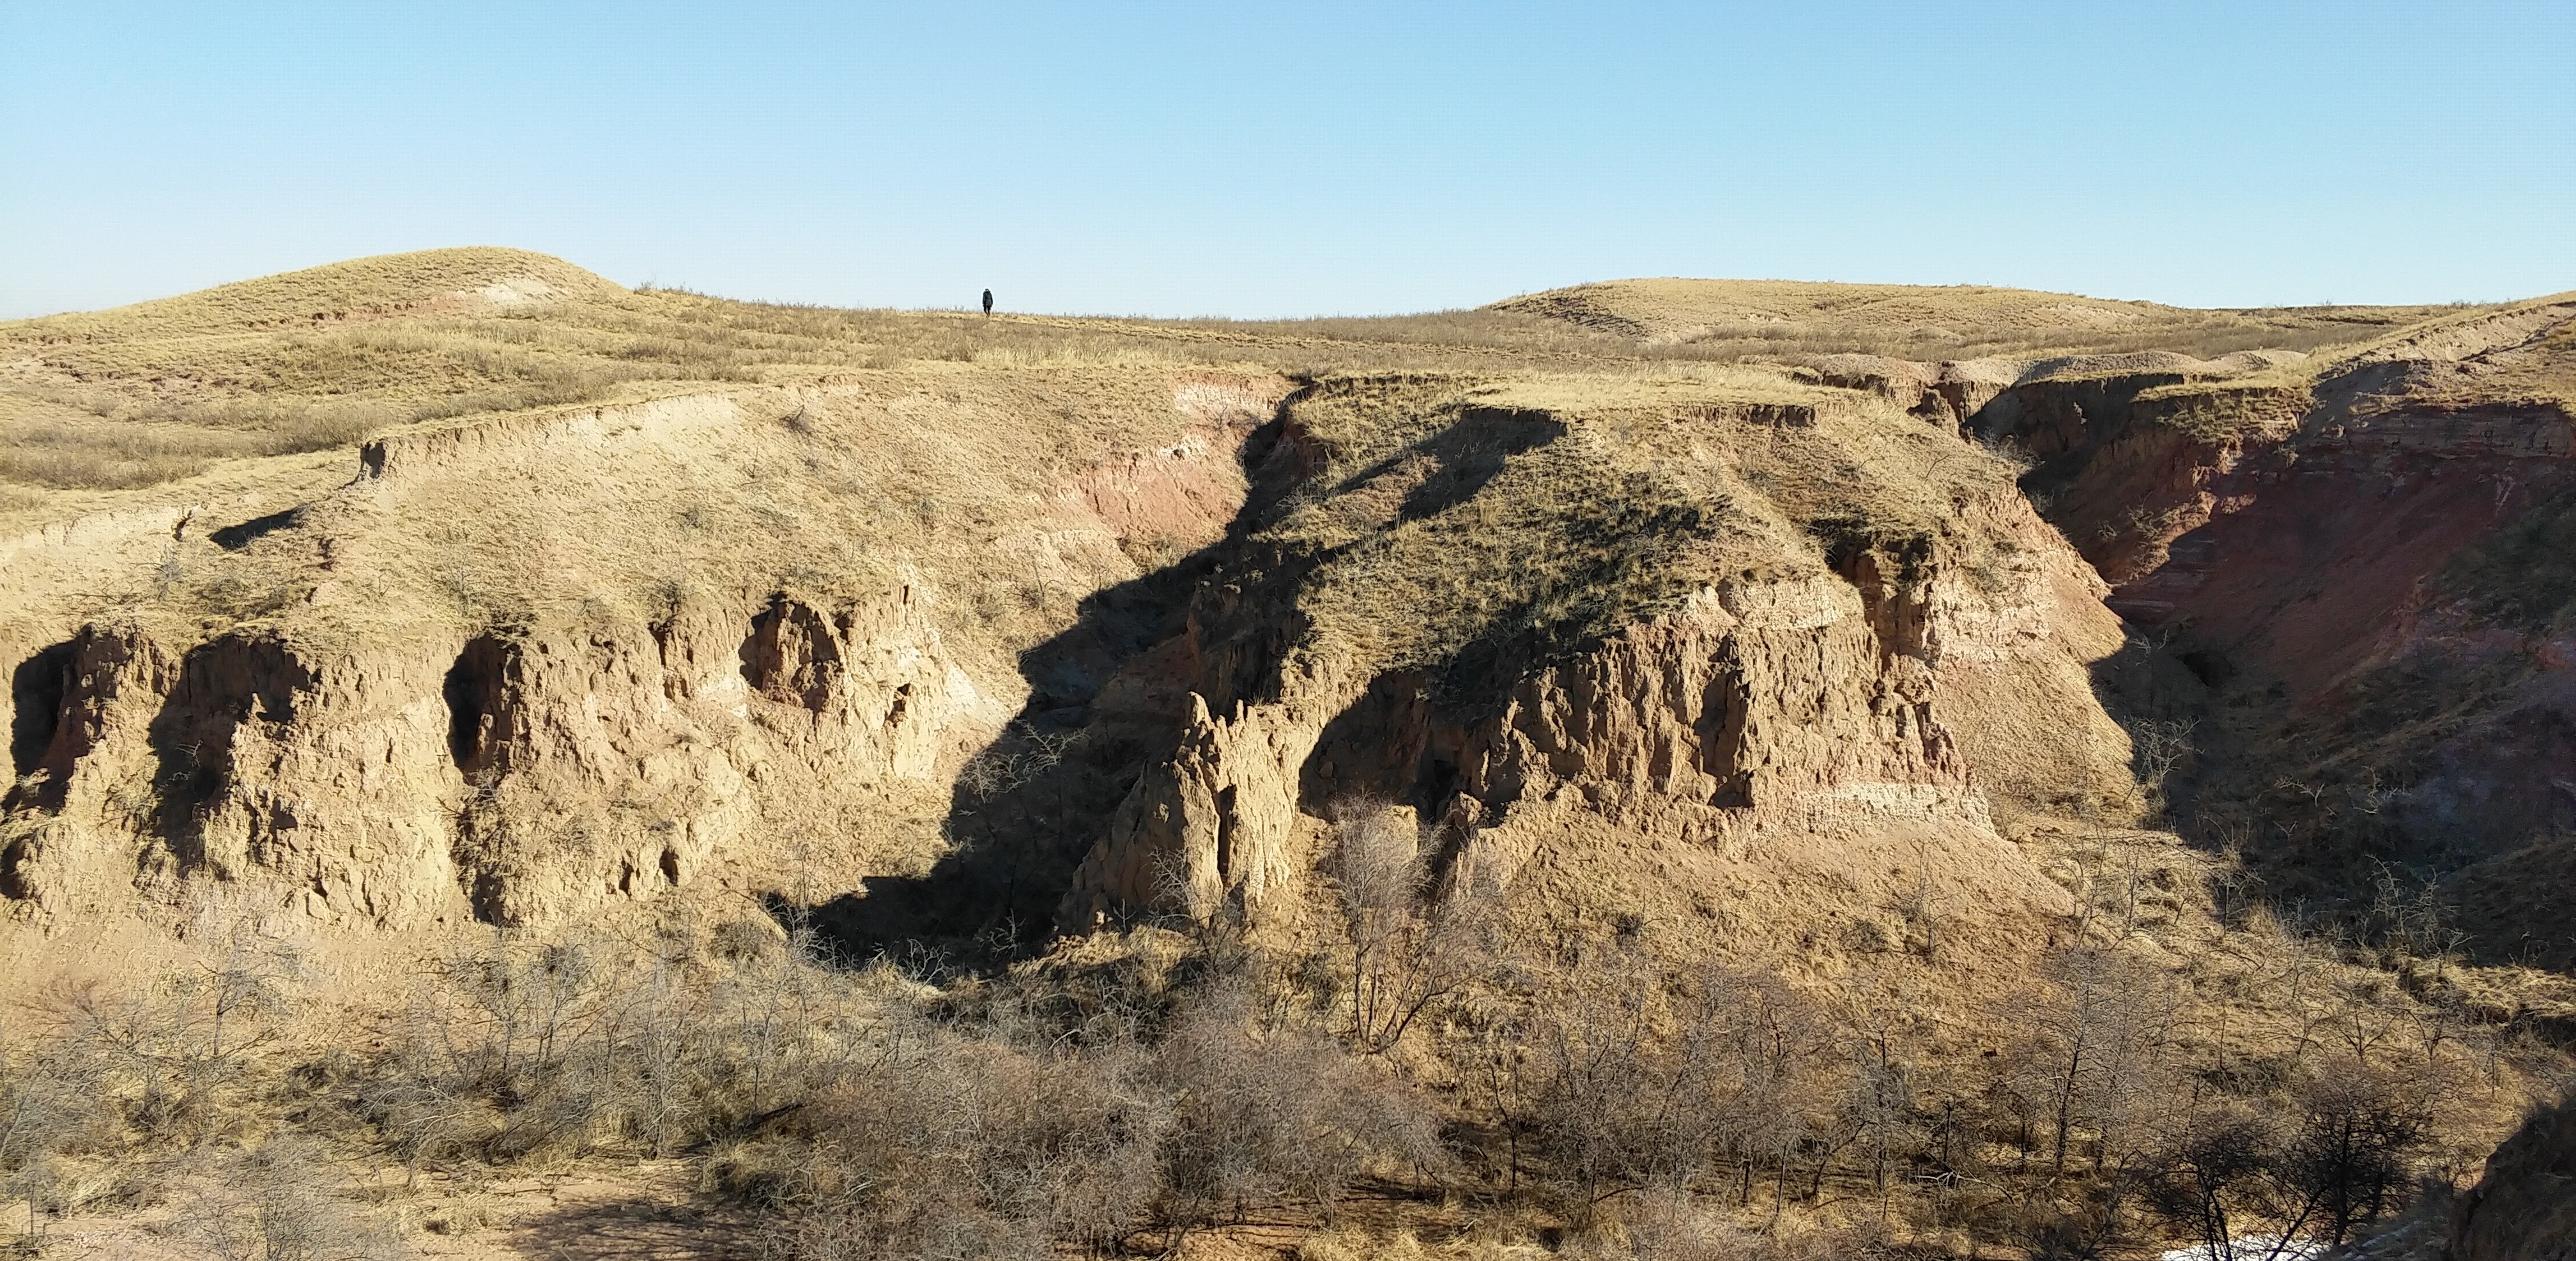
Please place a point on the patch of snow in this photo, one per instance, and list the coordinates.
(2252, 1248)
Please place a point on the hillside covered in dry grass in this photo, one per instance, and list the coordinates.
(1660, 768)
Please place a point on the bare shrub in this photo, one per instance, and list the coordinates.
(51, 1104)
(958, 1146)
(504, 1056)
(1124, 1092)
(174, 1059)
(2163, 751)
(2352, 1153)
(1664, 1224)
(2070, 1220)
(284, 1202)
(2094, 1054)
(1411, 946)
(1270, 1110)
(1668, 1224)
(2251, 1182)
(1639, 1089)
(506, 1049)
(1606, 1116)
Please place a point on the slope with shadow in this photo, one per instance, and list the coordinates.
(2523, 1207)
(1715, 651)
(522, 667)
(2357, 564)
(1029, 804)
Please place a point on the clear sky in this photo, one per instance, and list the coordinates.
(1259, 160)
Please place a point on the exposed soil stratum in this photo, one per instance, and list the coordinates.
(468, 589)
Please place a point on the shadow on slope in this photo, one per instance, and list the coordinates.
(1111, 695)
(1032, 804)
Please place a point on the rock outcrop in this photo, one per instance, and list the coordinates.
(534, 771)
(489, 727)
(618, 760)
(1805, 696)
(2361, 568)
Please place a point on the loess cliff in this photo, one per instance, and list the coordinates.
(1767, 649)
(2357, 565)
(777, 633)
(796, 601)
(511, 668)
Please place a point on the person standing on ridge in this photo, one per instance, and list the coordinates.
(988, 304)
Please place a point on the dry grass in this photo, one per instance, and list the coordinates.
(1737, 318)
(1128, 1093)
(2539, 371)
(162, 390)
(48, 442)
(1517, 518)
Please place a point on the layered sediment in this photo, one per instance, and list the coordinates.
(1791, 672)
(518, 669)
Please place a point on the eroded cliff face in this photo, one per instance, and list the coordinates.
(620, 759)
(575, 695)
(2361, 572)
(533, 771)
(1798, 638)
(1790, 694)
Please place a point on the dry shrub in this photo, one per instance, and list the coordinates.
(1413, 943)
(1128, 1091)
(962, 1141)
(174, 1061)
(51, 1109)
(102, 1076)
(1266, 1110)
(1485, 1241)
(1671, 1225)
(285, 1201)
(1634, 1088)
(2341, 1154)
(954, 1146)
(2094, 1056)
(508, 1049)
(506, 1057)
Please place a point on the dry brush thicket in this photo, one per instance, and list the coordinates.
(1430, 1064)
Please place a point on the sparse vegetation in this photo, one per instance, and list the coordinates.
(1118, 1101)
(166, 390)
(843, 1020)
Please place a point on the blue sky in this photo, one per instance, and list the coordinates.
(1285, 160)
